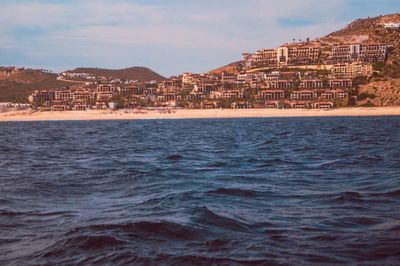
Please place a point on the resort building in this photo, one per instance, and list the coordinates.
(303, 95)
(311, 84)
(350, 53)
(340, 83)
(353, 70)
(228, 78)
(271, 95)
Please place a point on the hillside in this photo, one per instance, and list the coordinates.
(371, 30)
(383, 89)
(132, 73)
(231, 68)
(17, 86)
(381, 93)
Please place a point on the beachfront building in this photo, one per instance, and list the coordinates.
(241, 105)
(304, 95)
(41, 96)
(322, 105)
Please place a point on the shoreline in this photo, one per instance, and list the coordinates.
(29, 115)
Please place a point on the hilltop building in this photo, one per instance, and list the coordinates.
(311, 54)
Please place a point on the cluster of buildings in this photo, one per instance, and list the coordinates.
(392, 25)
(6, 72)
(9, 106)
(316, 54)
(76, 76)
(275, 89)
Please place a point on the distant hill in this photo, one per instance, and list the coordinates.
(132, 73)
(17, 85)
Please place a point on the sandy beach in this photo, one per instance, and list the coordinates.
(29, 115)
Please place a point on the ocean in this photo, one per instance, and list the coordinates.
(287, 191)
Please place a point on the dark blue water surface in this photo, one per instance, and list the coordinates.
(236, 191)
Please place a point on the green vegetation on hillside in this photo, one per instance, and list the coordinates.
(133, 73)
(18, 87)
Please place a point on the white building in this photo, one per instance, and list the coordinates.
(392, 25)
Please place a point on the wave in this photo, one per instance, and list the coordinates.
(237, 192)
(175, 157)
(390, 194)
(160, 230)
(217, 165)
(209, 219)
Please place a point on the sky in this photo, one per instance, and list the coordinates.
(168, 36)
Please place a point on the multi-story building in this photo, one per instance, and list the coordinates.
(229, 94)
(263, 58)
(298, 55)
(334, 95)
(340, 83)
(271, 95)
(366, 53)
(352, 70)
(304, 95)
(287, 55)
(279, 84)
(43, 95)
(304, 54)
(244, 78)
(228, 78)
(311, 84)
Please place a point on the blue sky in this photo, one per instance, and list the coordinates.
(170, 37)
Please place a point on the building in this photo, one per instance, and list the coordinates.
(228, 78)
(59, 108)
(279, 84)
(322, 105)
(392, 25)
(340, 83)
(241, 105)
(334, 95)
(271, 95)
(304, 95)
(350, 71)
(311, 83)
(298, 55)
(262, 58)
(244, 78)
(350, 53)
(299, 105)
(287, 55)
(42, 96)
